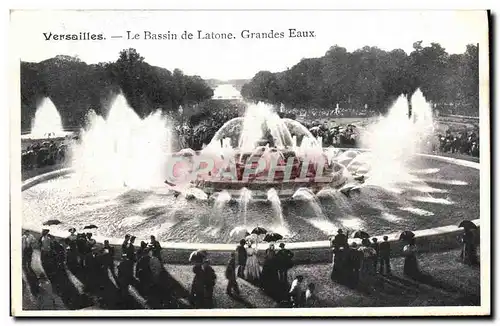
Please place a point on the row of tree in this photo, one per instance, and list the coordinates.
(75, 87)
(373, 77)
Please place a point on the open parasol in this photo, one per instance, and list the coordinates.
(467, 225)
(272, 237)
(361, 235)
(406, 235)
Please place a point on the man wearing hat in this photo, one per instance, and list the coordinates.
(284, 260)
(45, 243)
(125, 243)
(241, 258)
(72, 235)
(130, 250)
(155, 247)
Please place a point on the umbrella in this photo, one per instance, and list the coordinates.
(406, 235)
(259, 230)
(468, 225)
(361, 235)
(91, 226)
(273, 237)
(52, 222)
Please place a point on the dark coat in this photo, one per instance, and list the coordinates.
(241, 255)
(385, 249)
(231, 269)
(284, 259)
(209, 277)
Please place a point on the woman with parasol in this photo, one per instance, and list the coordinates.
(252, 270)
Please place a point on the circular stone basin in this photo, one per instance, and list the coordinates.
(441, 194)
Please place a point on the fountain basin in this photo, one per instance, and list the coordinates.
(156, 211)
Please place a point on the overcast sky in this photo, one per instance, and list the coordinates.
(240, 58)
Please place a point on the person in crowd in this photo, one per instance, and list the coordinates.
(155, 247)
(28, 243)
(71, 254)
(376, 246)
(270, 278)
(411, 268)
(310, 297)
(209, 279)
(468, 253)
(155, 267)
(107, 257)
(296, 291)
(252, 270)
(46, 251)
(197, 296)
(368, 261)
(130, 250)
(125, 274)
(59, 253)
(355, 262)
(284, 260)
(82, 248)
(241, 258)
(340, 255)
(143, 250)
(143, 272)
(92, 268)
(369, 257)
(232, 284)
(385, 256)
(90, 241)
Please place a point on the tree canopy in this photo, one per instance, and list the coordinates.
(76, 87)
(373, 77)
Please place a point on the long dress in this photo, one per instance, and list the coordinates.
(252, 270)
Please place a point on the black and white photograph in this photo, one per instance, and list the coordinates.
(250, 163)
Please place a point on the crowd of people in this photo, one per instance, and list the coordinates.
(339, 112)
(94, 265)
(44, 153)
(463, 142)
(337, 136)
(352, 263)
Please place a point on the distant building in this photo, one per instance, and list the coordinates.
(226, 92)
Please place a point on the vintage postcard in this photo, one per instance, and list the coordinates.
(250, 163)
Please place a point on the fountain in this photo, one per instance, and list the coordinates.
(122, 150)
(47, 122)
(259, 152)
(257, 170)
